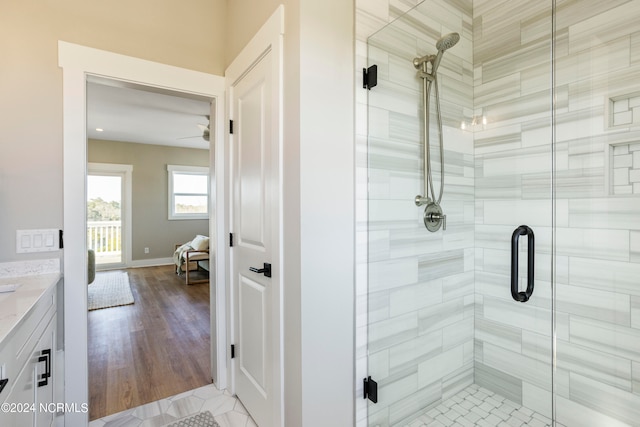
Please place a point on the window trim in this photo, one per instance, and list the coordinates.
(188, 170)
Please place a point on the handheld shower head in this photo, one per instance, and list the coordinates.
(445, 42)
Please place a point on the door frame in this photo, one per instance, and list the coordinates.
(125, 172)
(268, 39)
(77, 63)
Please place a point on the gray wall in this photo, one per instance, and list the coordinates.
(150, 227)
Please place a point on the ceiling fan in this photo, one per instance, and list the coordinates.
(204, 129)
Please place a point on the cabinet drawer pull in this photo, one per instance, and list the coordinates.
(3, 383)
(45, 357)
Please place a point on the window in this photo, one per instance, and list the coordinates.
(188, 192)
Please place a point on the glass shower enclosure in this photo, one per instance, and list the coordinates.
(524, 309)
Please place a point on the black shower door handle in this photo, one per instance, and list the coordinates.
(531, 247)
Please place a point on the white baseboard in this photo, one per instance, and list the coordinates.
(150, 262)
(136, 264)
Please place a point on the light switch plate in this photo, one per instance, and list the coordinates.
(44, 240)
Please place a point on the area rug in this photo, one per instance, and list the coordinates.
(202, 419)
(110, 289)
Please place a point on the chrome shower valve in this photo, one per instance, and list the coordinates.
(434, 218)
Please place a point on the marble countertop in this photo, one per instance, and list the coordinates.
(15, 305)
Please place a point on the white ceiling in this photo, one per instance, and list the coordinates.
(133, 113)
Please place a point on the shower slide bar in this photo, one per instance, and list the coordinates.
(515, 237)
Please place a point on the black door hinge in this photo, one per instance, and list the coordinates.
(370, 390)
(60, 241)
(231, 126)
(370, 77)
(230, 240)
(233, 351)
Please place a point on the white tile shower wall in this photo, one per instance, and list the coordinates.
(420, 291)
(598, 234)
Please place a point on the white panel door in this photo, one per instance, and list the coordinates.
(254, 199)
(254, 104)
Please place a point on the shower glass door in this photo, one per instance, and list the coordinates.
(598, 213)
(448, 344)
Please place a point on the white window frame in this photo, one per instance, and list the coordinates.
(189, 170)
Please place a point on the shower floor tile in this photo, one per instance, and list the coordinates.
(477, 406)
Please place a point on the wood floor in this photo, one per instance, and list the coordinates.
(152, 349)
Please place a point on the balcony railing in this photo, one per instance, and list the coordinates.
(105, 238)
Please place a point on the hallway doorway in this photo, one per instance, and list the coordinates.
(77, 63)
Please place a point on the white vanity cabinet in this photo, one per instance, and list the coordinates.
(27, 358)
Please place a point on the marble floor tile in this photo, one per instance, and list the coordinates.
(185, 406)
(152, 409)
(158, 420)
(227, 410)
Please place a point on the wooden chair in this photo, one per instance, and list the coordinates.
(196, 257)
(192, 260)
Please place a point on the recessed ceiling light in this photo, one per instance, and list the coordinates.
(99, 130)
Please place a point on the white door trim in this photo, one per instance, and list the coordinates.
(268, 38)
(77, 62)
(124, 171)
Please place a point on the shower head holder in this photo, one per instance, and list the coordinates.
(421, 200)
